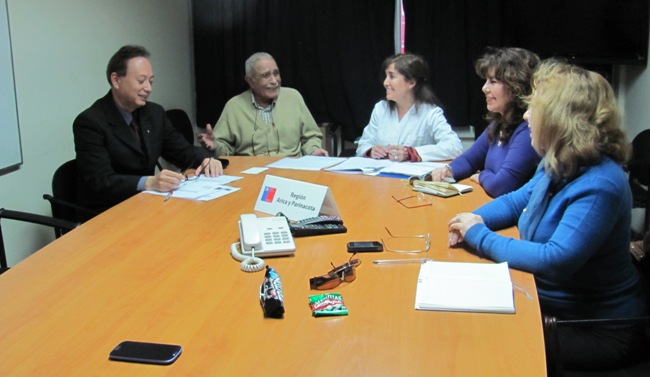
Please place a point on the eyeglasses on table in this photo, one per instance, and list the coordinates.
(414, 201)
(417, 243)
(343, 273)
(190, 175)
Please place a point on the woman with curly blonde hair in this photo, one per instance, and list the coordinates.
(579, 135)
(573, 218)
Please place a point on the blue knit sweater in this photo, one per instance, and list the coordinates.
(504, 167)
(575, 239)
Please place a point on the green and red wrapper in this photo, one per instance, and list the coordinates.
(327, 304)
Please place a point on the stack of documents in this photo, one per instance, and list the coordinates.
(465, 287)
(357, 165)
(203, 188)
(364, 165)
(306, 162)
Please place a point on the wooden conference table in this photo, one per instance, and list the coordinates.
(158, 271)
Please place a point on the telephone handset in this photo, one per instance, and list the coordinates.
(249, 233)
(266, 236)
(262, 237)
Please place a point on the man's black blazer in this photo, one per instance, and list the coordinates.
(110, 161)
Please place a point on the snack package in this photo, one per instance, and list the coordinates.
(271, 297)
(328, 304)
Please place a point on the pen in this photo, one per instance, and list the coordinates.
(168, 196)
(401, 261)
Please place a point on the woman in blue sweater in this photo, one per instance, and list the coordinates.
(502, 155)
(573, 217)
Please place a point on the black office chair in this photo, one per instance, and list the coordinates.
(351, 152)
(639, 172)
(638, 369)
(181, 123)
(332, 141)
(63, 200)
(30, 218)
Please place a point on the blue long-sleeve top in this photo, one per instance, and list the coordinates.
(504, 166)
(575, 239)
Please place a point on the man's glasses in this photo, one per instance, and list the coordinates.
(190, 174)
(414, 201)
(418, 243)
(343, 273)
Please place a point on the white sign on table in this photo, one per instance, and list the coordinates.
(295, 199)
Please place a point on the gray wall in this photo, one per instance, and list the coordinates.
(634, 97)
(60, 52)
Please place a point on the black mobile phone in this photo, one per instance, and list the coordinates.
(147, 353)
(365, 246)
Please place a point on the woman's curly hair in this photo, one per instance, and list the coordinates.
(576, 119)
(514, 67)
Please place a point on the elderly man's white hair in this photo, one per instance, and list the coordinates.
(249, 66)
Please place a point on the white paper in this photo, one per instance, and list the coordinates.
(470, 287)
(219, 180)
(202, 188)
(313, 163)
(371, 166)
(254, 170)
(217, 192)
(411, 169)
(360, 165)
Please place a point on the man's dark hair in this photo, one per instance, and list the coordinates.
(119, 60)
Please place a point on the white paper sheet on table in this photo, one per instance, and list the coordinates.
(203, 188)
(369, 166)
(314, 163)
(411, 169)
(465, 287)
(360, 165)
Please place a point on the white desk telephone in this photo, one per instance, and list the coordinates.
(262, 237)
(266, 236)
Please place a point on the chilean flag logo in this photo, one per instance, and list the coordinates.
(269, 193)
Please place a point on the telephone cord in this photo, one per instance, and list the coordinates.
(248, 264)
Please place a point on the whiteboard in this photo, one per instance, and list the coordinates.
(10, 151)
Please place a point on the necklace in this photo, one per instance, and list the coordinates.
(500, 142)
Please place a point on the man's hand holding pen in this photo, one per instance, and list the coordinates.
(164, 181)
(168, 181)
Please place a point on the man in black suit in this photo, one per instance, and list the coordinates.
(119, 138)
